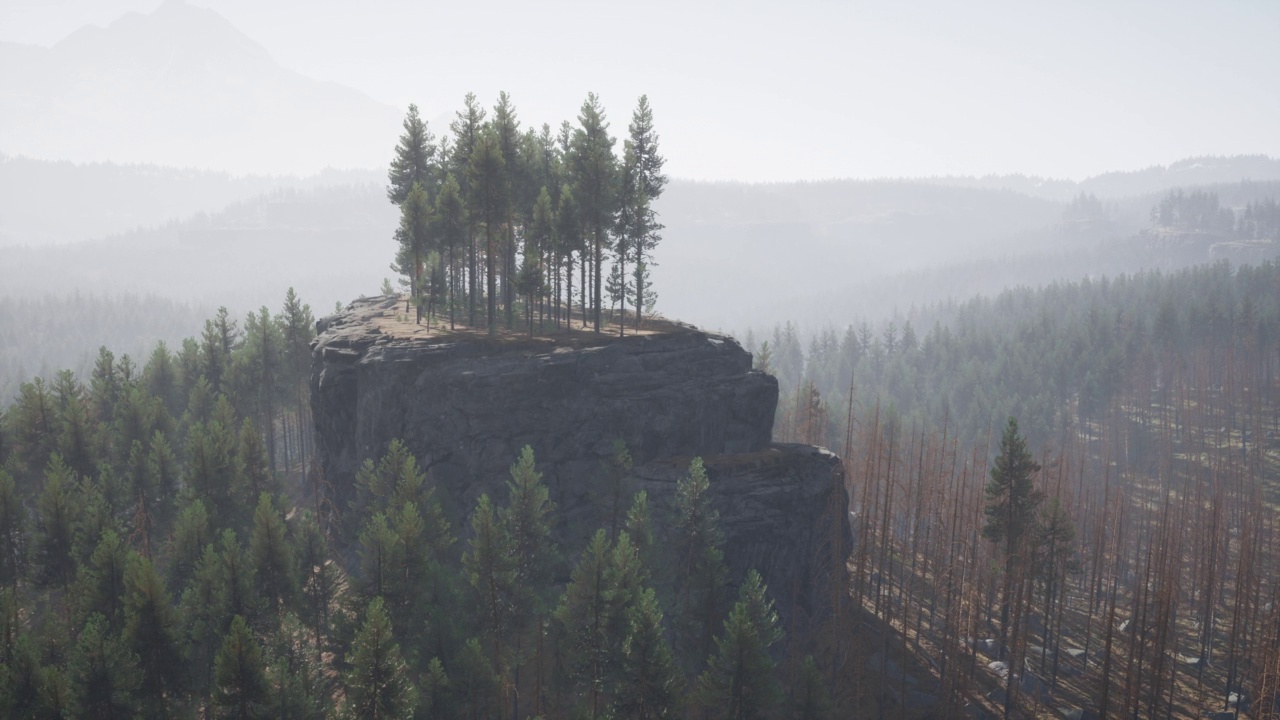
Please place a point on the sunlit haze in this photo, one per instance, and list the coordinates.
(783, 91)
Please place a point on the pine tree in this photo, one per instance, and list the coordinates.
(489, 564)
(100, 582)
(1010, 509)
(568, 242)
(241, 688)
(488, 204)
(294, 674)
(21, 678)
(475, 684)
(412, 163)
(740, 682)
(698, 564)
(506, 128)
(378, 684)
(527, 520)
(584, 615)
(649, 683)
(649, 183)
(595, 171)
(380, 559)
(191, 533)
(809, 697)
(103, 675)
(151, 633)
(56, 520)
(13, 536)
(415, 238)
(451, 222)
(271, 556)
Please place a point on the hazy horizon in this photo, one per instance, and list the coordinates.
(824, 91)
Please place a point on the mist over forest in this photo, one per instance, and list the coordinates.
(977, 330)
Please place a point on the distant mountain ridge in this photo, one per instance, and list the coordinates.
(1193, 171)
(181, 86)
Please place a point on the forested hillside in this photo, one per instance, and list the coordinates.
(1149, 405)
(165, 553)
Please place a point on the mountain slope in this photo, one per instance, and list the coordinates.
(181, 86)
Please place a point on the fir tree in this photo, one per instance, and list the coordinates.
(151, 633)
(241, 690)
(271, 556)
(740, 682)
(103, 675)
(649, 682)
(413, 159)
(378, 684)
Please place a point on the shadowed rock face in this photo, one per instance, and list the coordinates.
(465, 405)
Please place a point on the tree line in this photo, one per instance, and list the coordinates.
(495, 215)
(1113, 550)
(163, 554)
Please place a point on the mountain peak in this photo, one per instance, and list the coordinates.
(173, 30)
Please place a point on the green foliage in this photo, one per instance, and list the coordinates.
(103, 675)
(412, 163)
(271, 556)
(697, 562)
(649, 682)
(1011, 497)
(241, 690)
(378, 684)
(56, 521)
(151, 633)
(740, 682)
(490, 568)
(13, 531)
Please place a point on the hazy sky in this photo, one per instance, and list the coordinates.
(802, 90)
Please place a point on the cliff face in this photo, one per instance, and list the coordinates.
(465, 405)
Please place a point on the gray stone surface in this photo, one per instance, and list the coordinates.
(466, 406)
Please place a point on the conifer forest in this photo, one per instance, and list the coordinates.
(525, 420)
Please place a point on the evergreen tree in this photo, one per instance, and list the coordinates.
(698, 564)
(488, 204)
(809, 697)
(294, 674)
(33, 426)
(584, 615)
(241, 691)
(380, 559)
(489, 564)
(740, 682)
(56, 520)
(594, 171)
(568, 242)
(13, 531)
(649, 683)
(451, 222)
(527, 520)
(100, 582)
(378, 684)
(506, 128)
(475, 684)
(412, 163)
(271, 556)
(151, 633)
(415, 237)
(467, 128)
(191, 533)
(103, 675)
(648, 183)
(21, 678)
(1010, 509)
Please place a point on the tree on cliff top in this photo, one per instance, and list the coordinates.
(412, 162)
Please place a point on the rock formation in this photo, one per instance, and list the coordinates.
(465, 404)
